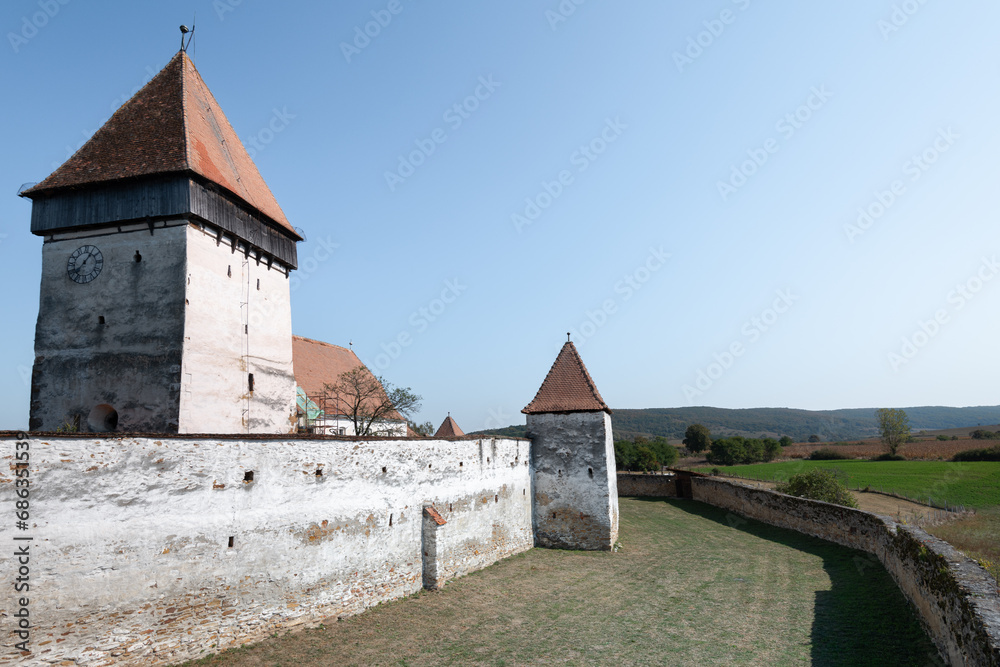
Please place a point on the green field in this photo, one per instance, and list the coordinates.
(691, 585)
(974, 485)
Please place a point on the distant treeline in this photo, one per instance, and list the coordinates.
(828, 425)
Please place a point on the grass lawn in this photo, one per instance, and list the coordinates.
(692, 584)
(974, 485)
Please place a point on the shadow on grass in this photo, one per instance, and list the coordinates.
(863, 619)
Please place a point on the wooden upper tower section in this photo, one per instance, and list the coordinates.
(169, 151)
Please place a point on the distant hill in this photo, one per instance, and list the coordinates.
(829, 425)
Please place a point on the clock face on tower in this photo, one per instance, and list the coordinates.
(85, 264)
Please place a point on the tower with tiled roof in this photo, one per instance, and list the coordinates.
(449, 429)
(573, 459)
(164, 296)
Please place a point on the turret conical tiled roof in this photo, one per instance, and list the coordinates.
(448, 429)
(568, 387)
(172, 125)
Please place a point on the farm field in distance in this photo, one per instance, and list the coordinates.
(692, 584)
(972, 484)
(932, 449)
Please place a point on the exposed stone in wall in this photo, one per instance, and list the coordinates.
(576, 492)
(151, 550)
(956, 599)
(652, 486)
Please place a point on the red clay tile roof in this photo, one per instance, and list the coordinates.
(316, 363)
(173, 124)
(448, 429)
(433, 514)
(568, 387)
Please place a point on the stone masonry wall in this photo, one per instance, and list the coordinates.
(956, 598)
(152, 550)
(650, 486)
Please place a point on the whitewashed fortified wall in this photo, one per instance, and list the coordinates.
(148, 550)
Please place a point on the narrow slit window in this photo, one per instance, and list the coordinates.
(248, 476)
(250, 381)
(100, 319)
(231, 540)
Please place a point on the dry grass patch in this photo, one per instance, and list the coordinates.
(691, 585)
(978, 537)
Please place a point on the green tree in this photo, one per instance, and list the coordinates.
(814, 438)
(369, 401)
(894, 428)
(645, 459)
(818, 484)
(697, 438)
(665, 453)
(785, 441)
(425, 429)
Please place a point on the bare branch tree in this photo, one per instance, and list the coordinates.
(367, 400)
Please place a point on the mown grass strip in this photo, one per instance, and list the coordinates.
(693, 584)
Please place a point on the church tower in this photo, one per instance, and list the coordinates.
(573, 459)
(165, 294)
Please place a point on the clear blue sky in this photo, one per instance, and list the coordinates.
(740, 138)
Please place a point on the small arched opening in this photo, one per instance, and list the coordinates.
(102, 418)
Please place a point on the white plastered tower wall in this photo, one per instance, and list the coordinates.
(237, 323)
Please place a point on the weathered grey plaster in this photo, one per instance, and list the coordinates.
(576, 494)
(133, 360)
